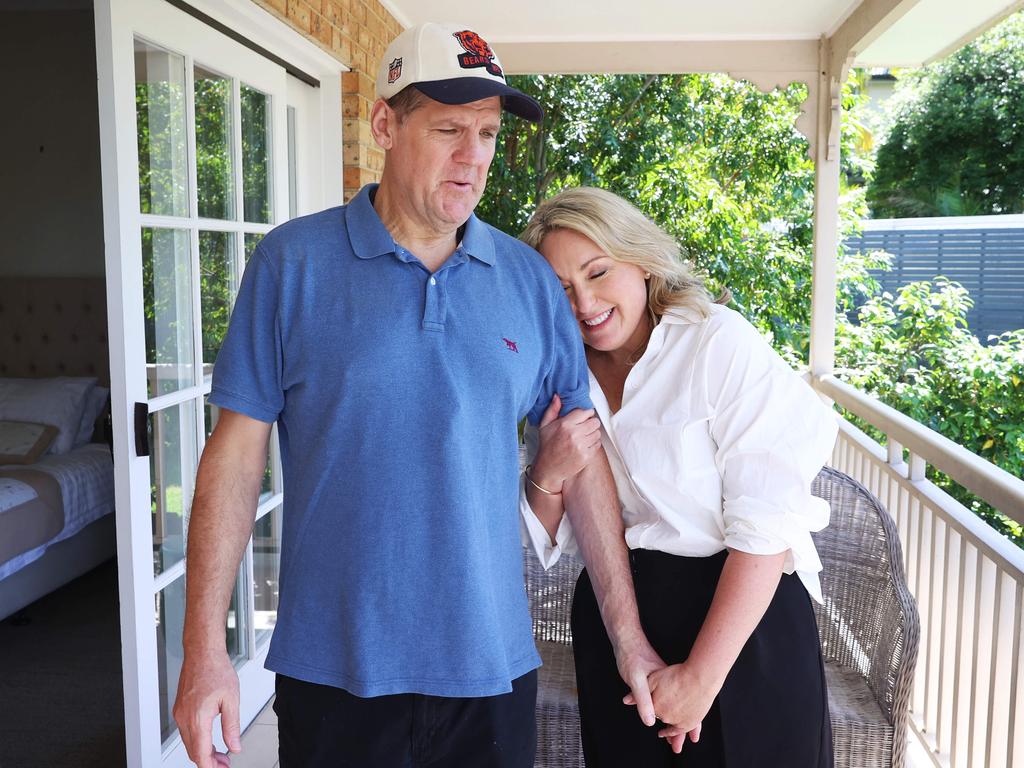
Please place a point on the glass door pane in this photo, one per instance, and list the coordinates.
(256, 171)
(266, 570)
(252, 239)
(172, 465)
(170, 620)
(293, 187)
(215, 176)
(238, 621)
(167, 309)
(218, 285)
(160, 124)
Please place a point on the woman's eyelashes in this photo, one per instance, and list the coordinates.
(566, 287)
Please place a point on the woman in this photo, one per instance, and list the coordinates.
(713, 442)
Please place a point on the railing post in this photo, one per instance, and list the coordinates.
(917, 467)
(895, 451)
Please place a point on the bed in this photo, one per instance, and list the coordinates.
(56, 519)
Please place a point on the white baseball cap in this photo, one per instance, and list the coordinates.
(451, 64)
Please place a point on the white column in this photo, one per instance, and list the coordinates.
(826, 212)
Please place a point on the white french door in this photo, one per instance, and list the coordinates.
(206, 146)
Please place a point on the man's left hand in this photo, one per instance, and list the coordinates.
(637, 660)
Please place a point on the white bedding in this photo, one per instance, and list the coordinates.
(86, 477)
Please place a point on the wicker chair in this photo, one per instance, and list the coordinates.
(868, 626)
(558, 720)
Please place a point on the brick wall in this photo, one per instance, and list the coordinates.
(356, 33)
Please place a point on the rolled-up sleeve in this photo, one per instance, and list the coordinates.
(773, 434)
(533, 533)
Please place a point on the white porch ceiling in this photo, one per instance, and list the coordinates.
(934, 29)
(636, 20)
(653, 36)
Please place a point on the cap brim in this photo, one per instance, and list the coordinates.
(463, 90)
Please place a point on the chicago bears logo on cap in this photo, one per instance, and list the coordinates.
(394, 70)
(478, 53)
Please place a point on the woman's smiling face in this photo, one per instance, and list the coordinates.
(609, 297)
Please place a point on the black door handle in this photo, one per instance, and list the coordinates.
(141, 429)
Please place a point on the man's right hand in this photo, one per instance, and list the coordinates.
(223, 512)
(208, 685)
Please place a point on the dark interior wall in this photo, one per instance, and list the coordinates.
(51, 221)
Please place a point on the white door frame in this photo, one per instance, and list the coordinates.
(115, 22)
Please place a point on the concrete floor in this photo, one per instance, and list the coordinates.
(259, 742)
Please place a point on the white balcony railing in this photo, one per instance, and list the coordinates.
(968, 581)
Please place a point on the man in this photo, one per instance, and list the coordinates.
(396, 341)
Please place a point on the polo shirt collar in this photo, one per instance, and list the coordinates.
(370, 238)
(367, 233)
(477, 241)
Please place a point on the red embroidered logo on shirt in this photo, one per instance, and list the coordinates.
(510, 344)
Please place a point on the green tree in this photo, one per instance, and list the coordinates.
(720, 165)
(956, 146)
(716, 162)
(914, 352)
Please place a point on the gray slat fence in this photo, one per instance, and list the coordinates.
(983, 253)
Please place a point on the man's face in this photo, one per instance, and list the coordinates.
(439, 158)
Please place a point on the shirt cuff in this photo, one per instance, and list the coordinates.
(535, 536)
(759, 528)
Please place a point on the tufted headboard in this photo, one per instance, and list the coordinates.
(54, 326)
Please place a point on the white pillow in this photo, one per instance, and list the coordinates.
(94, 403)
(58, 402)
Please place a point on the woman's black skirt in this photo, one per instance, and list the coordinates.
(772, 711)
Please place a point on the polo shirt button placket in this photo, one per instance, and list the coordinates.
(434, 306)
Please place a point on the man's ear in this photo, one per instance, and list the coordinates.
(383, 122)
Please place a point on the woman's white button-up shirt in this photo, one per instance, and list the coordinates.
(715, 446)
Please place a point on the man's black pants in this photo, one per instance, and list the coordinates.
(320, 726)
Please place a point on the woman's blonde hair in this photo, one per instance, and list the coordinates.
(626, 235)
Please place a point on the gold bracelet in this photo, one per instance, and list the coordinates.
(529, 479)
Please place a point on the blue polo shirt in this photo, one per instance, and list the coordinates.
(397, 394)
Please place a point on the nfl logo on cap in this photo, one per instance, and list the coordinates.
(394, 70)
